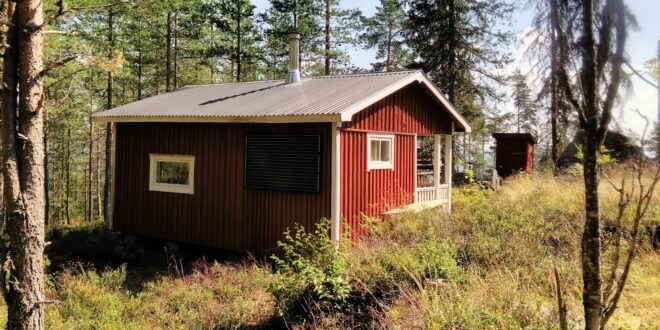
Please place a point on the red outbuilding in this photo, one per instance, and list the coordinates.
(514, 153)
(232, 166)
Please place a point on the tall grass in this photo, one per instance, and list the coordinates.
(508, 242)
(488, 265)
(211, 296)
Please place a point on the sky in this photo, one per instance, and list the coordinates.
(642, 46)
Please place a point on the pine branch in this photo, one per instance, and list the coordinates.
(618, 10)
(638, 74)
(56, 64)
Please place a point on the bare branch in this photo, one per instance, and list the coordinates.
(624, 201)
(56, 64)
(638, 74)
(641, 206)
(67, 33)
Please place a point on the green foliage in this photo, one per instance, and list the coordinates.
(310, 17)
(212, 296)
(604, 156)
(576, 170)
(652, 69)
(91, 300)
(311, 267)
(525, 106)
(469, 176)
(442, 35)
(384, 31)
(488, 265)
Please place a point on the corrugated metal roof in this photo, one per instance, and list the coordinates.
(339, 95)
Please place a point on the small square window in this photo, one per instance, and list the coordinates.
(171, 173)
(380, 152)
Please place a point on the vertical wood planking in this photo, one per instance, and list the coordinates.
(221, 213)
(409, 110)
(406, 113)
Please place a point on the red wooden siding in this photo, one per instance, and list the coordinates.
(406, 113)
(514, 155)
(376, 191)
(221, 213)
(410, 110)
(530, 158)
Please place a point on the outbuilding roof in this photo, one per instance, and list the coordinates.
(313, 99)
(515, 136)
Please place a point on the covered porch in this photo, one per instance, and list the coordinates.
(433, 168)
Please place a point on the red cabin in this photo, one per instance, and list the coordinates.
(232, 166)
(514, 153)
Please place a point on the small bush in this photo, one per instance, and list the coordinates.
(212, 296)
(488, 265)
(311, 269)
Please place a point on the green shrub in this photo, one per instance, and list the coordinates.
(311, 269)
(92, 301)
(212, 296)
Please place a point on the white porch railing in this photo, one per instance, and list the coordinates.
(426, 194)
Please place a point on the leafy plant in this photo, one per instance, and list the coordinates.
(469, 176)
(311, 267)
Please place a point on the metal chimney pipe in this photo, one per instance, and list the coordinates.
(294, 58)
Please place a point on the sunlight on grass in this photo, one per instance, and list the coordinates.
(488, 265)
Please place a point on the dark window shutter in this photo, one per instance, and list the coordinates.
(283, 162)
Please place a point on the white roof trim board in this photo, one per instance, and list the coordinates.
(314, 99)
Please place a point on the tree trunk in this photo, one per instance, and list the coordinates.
(591, 296)
(99, 200)
(327, 37)
(238, 41)
(67, 182)
(90, 148)
(23, 157)
(388, 59)
(139, 64)
(46, 172)
(554, 88)
(168, 67)
(108, 129)
(176, 50)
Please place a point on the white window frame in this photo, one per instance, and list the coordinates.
(169, 187)
(380, 165)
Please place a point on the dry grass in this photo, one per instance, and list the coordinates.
(488, 265)
(640, 307)
(508, 244)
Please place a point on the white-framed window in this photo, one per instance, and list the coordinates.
(380, 152)
(172, 173)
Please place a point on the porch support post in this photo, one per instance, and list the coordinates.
(448, 167)
(335, 199)
(437, 162)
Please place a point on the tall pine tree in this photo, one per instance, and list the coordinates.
(459, 45)
(525, 107)
(384, 31)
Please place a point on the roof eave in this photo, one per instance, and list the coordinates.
(218, 119)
